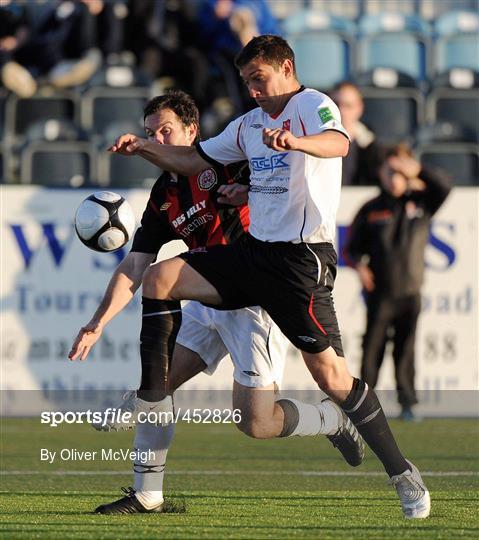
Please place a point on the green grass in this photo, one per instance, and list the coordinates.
(235, 487)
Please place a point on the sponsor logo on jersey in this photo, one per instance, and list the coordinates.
(269, 190)
(198, 250)
(207, 179)
(165, 206)
(256, 126)
(251, 373)
(276, 161)
(287, 125)
(307, 339)
(325, 114)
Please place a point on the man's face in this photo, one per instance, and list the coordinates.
(164, 127)
(392, 181)
(267, 84)
(350, 104)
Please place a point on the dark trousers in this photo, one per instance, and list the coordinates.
(395, 319)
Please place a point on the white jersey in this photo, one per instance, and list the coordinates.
(293, 196)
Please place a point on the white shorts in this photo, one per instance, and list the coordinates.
(256, 345)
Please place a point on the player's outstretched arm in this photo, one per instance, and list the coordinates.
(122, 286)
(328, 144)
(183, 160)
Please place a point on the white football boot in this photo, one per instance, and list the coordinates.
(413, 494)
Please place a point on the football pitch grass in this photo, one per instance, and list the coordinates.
(236, 487)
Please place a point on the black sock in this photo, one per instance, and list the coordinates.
(161, 321)
(363, 408)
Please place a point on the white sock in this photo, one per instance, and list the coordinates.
(324, 418)
(153, 442)
(149, 499)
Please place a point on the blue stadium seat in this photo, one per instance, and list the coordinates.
(460, 160)
(457, 41)
(455, 106)
(58, 164)
(322, 45)
(101, 106)
(394, 40)
(20, 113)
(123, 172)
(432, 9)
(392, 114)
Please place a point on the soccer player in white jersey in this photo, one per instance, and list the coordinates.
(256, 345)
(294, 142)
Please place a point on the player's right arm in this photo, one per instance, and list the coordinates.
(122, 286)
(184, 160)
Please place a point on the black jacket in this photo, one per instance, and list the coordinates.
(393, 232)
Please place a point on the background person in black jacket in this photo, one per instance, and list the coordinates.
(386, 246)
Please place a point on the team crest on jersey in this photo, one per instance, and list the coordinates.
(287, 125)
(207, 179)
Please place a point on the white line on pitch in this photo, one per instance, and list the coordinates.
(236, 473)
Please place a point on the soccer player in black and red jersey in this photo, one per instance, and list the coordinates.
(188, 208)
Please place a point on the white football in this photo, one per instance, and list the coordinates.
(104, 221)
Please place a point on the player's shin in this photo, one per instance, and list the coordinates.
(363, 408)
(304, 419)
(151, 447)
(161, 320)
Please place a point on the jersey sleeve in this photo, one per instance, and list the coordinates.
(225, 148)
(154, 230)
(319, 113)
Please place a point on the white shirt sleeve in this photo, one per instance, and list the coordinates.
(319, 113)
(227, 147)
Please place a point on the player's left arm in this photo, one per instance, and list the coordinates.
(321, 135)
(328, 144)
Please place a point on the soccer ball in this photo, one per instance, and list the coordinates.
(104, 221)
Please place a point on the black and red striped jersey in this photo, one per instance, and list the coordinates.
(186, 208)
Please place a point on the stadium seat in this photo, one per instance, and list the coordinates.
(460, 160)
(322, 45)
(457, 41)
(393, 114)
(101, 106)
(433, 9)
(124, 172)
(351, 9)
(459, 78)
(21, 113)
(58, 164)
(394, 40)
(455, 106)
(442, 132)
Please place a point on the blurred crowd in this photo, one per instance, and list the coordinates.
(81, 70)
(186, 43)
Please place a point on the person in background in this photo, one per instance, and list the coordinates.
(359, 166)
(386, 245)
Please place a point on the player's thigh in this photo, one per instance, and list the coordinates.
(199, 335)
(256, 345)
(256, 404)
(330, 371)
(185, 364)
(176, 279)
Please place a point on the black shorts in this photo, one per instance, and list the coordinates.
(292, 282)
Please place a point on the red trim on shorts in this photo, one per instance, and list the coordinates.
(311, 314)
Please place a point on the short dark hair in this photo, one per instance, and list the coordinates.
(273, 50)
(394, 150)
(181, 103)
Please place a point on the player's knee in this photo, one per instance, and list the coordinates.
(155, 283)
(253, 427)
